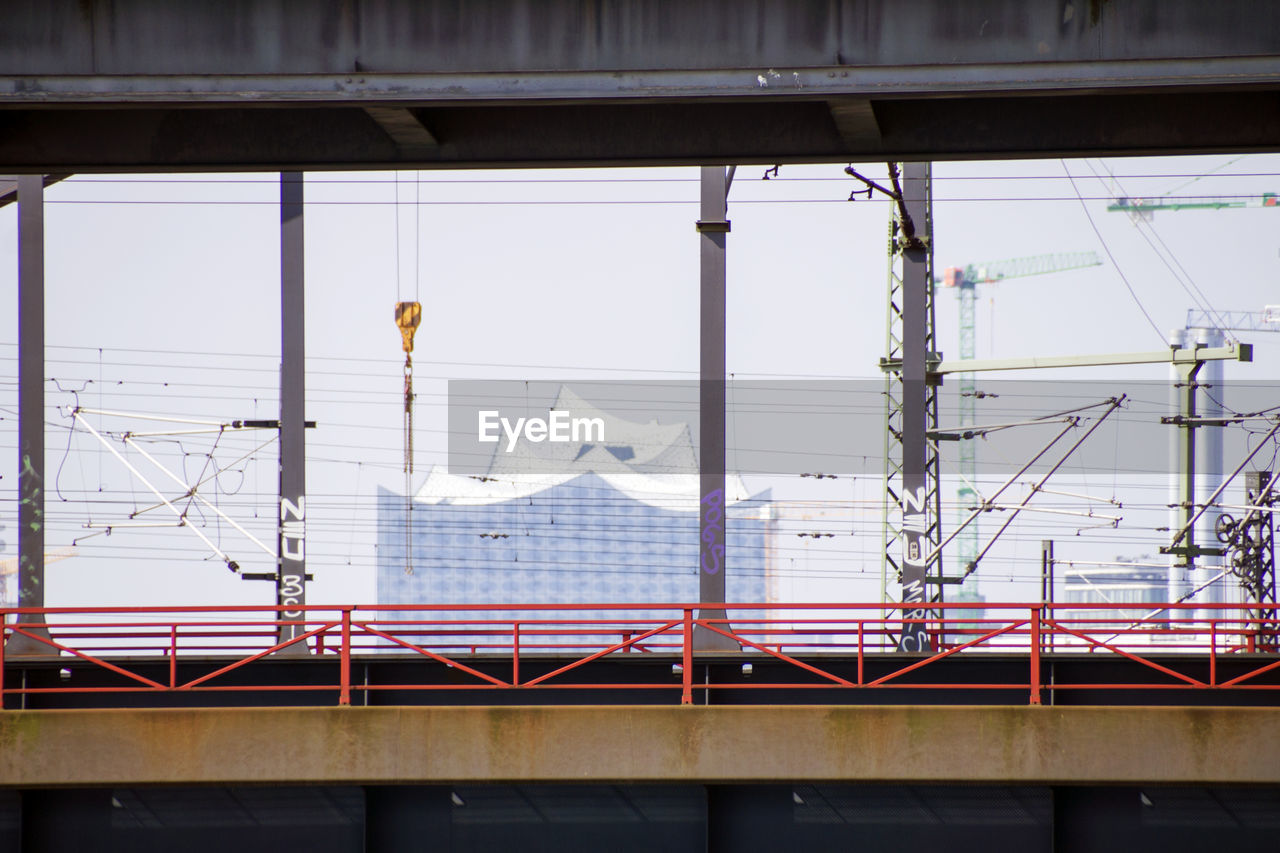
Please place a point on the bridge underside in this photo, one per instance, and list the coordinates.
(641, 818)
(754, 130)
(131, 85)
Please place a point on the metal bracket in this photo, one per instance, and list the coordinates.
(267, 576)
(1182, 420)
(264, 424)
(931, 361)
(1195, 551)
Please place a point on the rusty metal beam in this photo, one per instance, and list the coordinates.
(620, 744)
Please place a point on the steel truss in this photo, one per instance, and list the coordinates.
(910, 278)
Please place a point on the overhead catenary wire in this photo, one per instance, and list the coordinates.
(1180, 274)
(839, 558)
(1196, 178)
(1106, 248)
(609, 202)
(471, 179)
(367, 426)
(972, 567)
(182, 518)
(194, 493)
(451, 364)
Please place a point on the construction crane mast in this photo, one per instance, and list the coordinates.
(965, 282)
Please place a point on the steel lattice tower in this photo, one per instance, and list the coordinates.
(905, 261)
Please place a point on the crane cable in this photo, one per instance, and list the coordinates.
(408, 318)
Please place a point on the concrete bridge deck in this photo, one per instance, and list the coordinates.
(248, 84)
(630, 744)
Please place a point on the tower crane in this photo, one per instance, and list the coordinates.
(1266, 320)
(965, 281)
(1143, 208)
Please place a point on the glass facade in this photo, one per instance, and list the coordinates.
(584, 540)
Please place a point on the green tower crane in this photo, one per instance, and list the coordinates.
(1143, 208)
(965, 281)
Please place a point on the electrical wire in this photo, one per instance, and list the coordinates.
(1107, 249)
(590, 202)
(1147, 231)
(471, 180)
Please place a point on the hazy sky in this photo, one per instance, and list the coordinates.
(163, 295)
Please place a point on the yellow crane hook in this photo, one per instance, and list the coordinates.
(408, 318)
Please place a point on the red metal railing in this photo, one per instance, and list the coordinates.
(824, 645)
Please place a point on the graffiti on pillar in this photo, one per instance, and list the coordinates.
(712, 530)
(31, 522)
(914, 525)
(292, 554)
(30, 480)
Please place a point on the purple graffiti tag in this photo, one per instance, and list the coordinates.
(712, 526)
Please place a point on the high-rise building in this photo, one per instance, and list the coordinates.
(1138, 584)
(610, 525)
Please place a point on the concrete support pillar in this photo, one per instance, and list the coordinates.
(291, 575)
(31, 470)
(713, 232)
